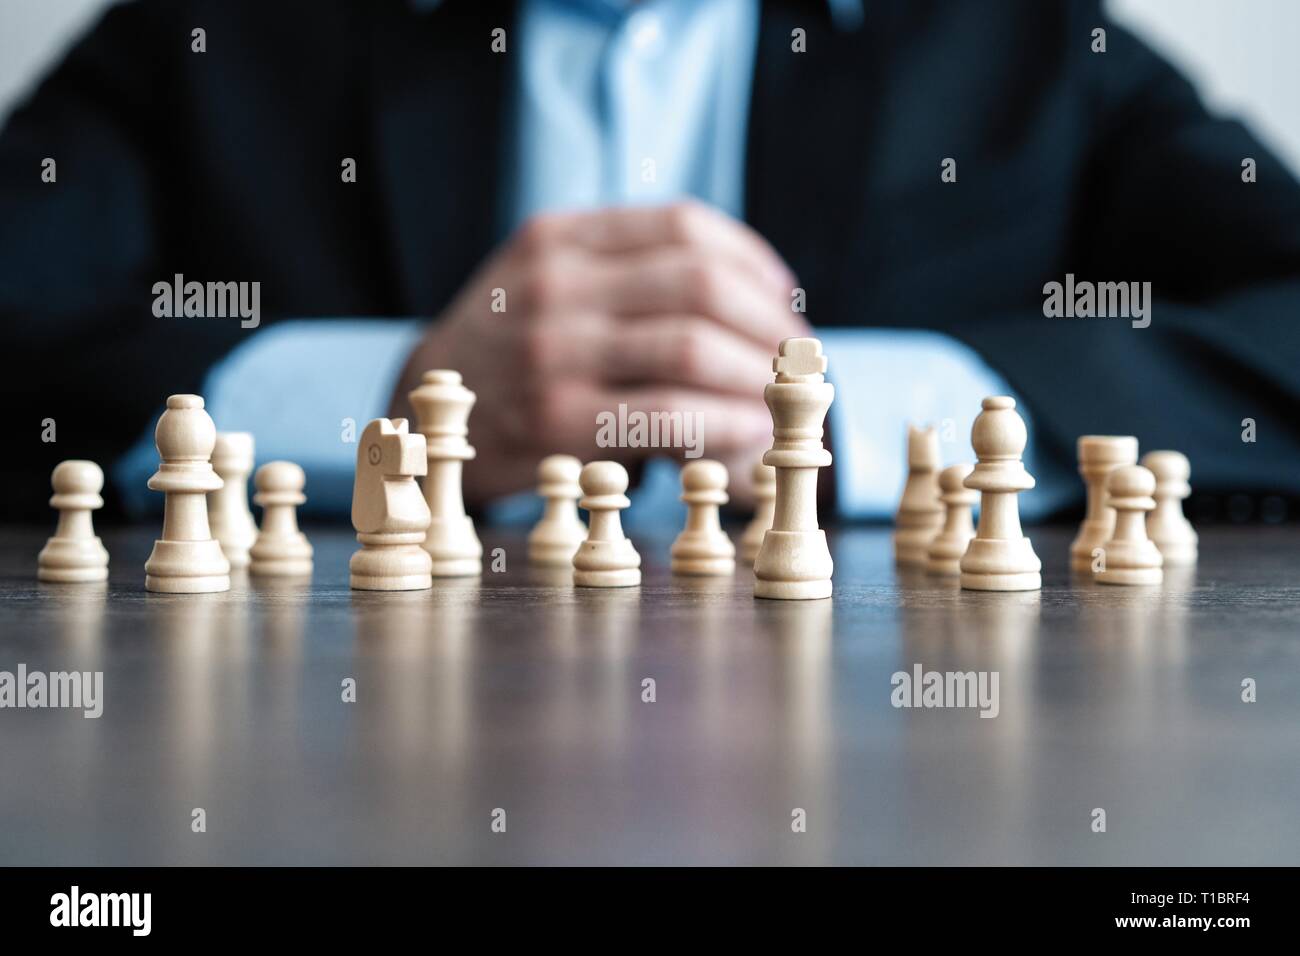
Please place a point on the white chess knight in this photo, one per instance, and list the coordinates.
(388, 511)
(1167, 526)
(558, 534)
(442, 406)
(74, 554)
(186, 559)
(1000, 557)
(920, 512)
(228, 512)
(794, 561)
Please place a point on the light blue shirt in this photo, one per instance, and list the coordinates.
(617, 103)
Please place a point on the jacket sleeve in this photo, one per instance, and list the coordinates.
(78, 256)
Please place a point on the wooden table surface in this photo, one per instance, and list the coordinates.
(519, 693)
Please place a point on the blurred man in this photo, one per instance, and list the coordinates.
(589, 203)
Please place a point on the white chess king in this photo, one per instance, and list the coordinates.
(794, 561)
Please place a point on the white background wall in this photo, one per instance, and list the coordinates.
(1244, 55)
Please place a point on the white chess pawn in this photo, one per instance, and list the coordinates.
(794, 561)
(1130, 556)
(74, 554)
(442, 406)
(946, 550)
(1167, 526)
(764, 506)
(920, 512)
(228, 512)
(1000, 557)
(186, 559)
(1099, 455)
(281, 550)
(557, 536)
(703, 547)
(388, 510)
(606, 559)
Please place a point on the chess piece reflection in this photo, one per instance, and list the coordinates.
(557, 536)
(442, 406)
(74, 554)
(186, 559)
(1166, 525)
(388, 510)
(920, 512)
(232, 522)
(281, 550)
(703, 547)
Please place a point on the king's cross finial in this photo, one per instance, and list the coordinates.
(799, 360)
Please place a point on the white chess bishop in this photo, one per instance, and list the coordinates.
(794, 560)
(1000, 557)
(186, 559)
(442, 406)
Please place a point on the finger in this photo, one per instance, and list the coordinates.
(679, 282)
(681, 422)
(679, 351)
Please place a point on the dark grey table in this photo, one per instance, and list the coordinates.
(522, 694)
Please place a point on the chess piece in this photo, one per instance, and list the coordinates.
(999, 557)
(557, 536)
(442, 406)
(1166, 525)
(228, 513)
(794, 561)
(764, 504)
(945, 552)
(74, 554)
(281, 550)
(606, 559)
(1130, 557)
(388, 511)
(920, 512)
(703, 547)
(186, 559)
(1099, 455)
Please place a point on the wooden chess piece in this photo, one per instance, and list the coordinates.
(1130, 557)
(764, 506)
(186, 559)
(1000, 557)
(75, 554)
(557, 536)
(1167, 526)
(949, 545)
(606, 559)
(1099, 455)
(228, 512)
(920, 512)
(388, 510)
(794, 561)
(281, 550)
(442, 406)
(703, 548)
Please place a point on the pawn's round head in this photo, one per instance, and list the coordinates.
(277, 476)
(704, 475)
(77, 477)
(558, 470)
(1131, 481)
(764, 476)
(185, 431)
(951, 478)
(600, 478)
(999, 431)
(1168, 465)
